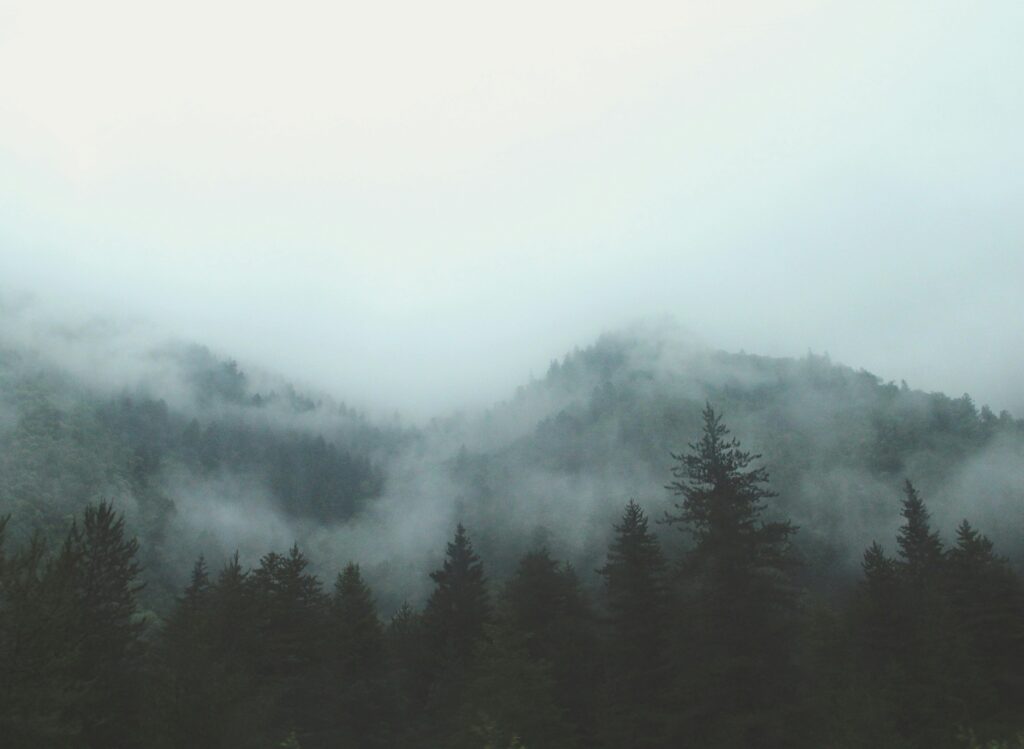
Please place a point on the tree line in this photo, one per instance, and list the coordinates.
(708, 644)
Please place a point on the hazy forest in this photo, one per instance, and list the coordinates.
(654, 545)
(535, 375)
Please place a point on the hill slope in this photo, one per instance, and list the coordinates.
(205, 458)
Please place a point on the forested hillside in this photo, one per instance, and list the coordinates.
(839, 441)
(64, 444)
(204, 458)
(711, 643)
(847, 575)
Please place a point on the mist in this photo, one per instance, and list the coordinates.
(418, 211)
(394, 221)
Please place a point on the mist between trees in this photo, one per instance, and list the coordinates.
(202, 456)
(712, 642)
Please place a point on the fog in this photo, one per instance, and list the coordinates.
(413, 212)
(415, 209)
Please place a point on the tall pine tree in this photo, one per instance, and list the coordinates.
(455, 618)
(637, 602)
(105, 575)
(361, 700)
(735, 638)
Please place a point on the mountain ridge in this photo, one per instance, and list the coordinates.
(232, 461)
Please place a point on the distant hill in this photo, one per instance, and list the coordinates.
(201, 455)
(838, 443)
(65, 443)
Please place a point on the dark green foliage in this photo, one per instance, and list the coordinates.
(927, 661)
(938, 636)
(736, 619)
(361, 703)
(987, 600)
(455, 619)
(410, 665)
(187, 674)
(919, 546)
(290, 612)
(105, 586)
(511, 697)
(718, 649)
(459, 606)
(637, 622)
(70, 647)
(42, 684)
(545, 603)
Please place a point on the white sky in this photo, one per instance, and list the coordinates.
(419, 204)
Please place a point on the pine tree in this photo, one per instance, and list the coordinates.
(241, 700)
(635, 588)
(919, 674)
(512, 697)
(357, 679)
(410, 668)
(987, 600)
(187, 670)
(291, 617)
(455, 618)
(42, 690)
(736, 631)
(874, 679)
(105, 572)
(880, 627)
(459, 606)
(920, 548)
(545, 603)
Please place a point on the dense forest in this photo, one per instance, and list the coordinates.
(197, 555)
(710, 643)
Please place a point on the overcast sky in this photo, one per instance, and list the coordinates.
(419, 204)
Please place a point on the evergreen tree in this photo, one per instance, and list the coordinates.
(880, 627)
(512, 697)
(187, 672)
(635, 588)
(361, 698)
(290, 626)
(929, 657)
(544, 602)
(988, 611)
(455, 618)
(735, 641)
(242, 701)
(459, 606)
(105, 572)
(920, 548)
(907, 646)
(876, 674)
(42, 689)
(410, 669)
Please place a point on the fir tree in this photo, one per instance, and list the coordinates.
(987, 600)
(186, 669)
(410, 668)
(290, 609)
(512, 698)
(920, 548)
(361, 698)
(455, 618)
(42, 691)
(459, 606)
(544, 602)
(105, 572)
(635, 588)
(735, 639)
(921, 672)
